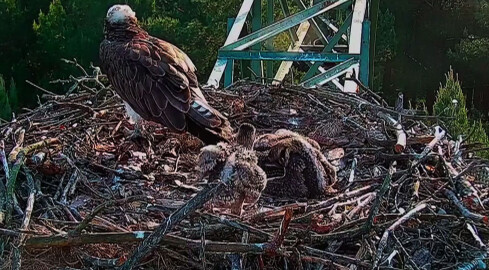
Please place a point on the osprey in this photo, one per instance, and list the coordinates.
(156, 80)
(248, 180)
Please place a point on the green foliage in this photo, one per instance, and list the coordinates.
(5, 111)
(482, 15)
(69, 29)
(196, 26)
(12, 95)
(450, 103)
(386, 40)
(479, 135)
(472, 52)
(385, 47)
(446, 107)
(51, 29)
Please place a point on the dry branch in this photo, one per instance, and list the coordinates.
(401, 135)
(383, 241)
(167, 225)
(380, 196)
(84, 197)
(138, 236)
(463, 210)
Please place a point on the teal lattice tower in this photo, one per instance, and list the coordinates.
(331, 37)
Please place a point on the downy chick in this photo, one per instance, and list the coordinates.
(246, 182)
(267, 141)
(307, 172)
(212, 158)
(246, 136)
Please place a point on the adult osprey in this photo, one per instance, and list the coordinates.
(156, 79)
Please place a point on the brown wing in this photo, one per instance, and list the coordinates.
(158, 81)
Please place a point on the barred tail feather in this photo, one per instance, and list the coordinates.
(208, 124)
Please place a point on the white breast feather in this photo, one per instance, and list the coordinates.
(134, 117)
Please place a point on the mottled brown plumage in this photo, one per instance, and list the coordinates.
(213, 157)
(239, 164)
(267, 141)
(247, 182)
(157, 79)
(246, 136)
(307, 172)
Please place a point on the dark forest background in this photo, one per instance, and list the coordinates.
(417, 42)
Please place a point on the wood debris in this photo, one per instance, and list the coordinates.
(76, 189)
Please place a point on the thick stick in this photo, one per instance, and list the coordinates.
(86, 221)
(369, 198)
(334, 257)
(400, 134)
(19, 158)
(30, 202)
(3, 191)
(17, 260)
(274, 245)
(385, 236)
(439, 134)
(32, 147)
(19, 142)
(327, 203)
(378, 199)
(463, 210)
(11, 185)
(238, 225)
(138, 236)
(166, 226)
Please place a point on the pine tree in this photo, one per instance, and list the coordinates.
(5, 111)
(479, 135)
(451, 104)
(12, 95)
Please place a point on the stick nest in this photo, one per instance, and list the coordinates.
(94, 194)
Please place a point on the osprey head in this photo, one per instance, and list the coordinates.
(120, 14)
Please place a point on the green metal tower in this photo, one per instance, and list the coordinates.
(332, 37)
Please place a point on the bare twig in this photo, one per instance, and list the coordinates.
(378, 199)
(463, 210)
(385, 236)
(40, 88)
(193, 204)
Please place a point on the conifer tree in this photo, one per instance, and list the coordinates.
(450, 104)
(479, 135)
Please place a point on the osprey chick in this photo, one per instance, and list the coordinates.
(156, 79)
(307, 172)
(238, 164)
(267, 141)
(246, 182)
(213, 157)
